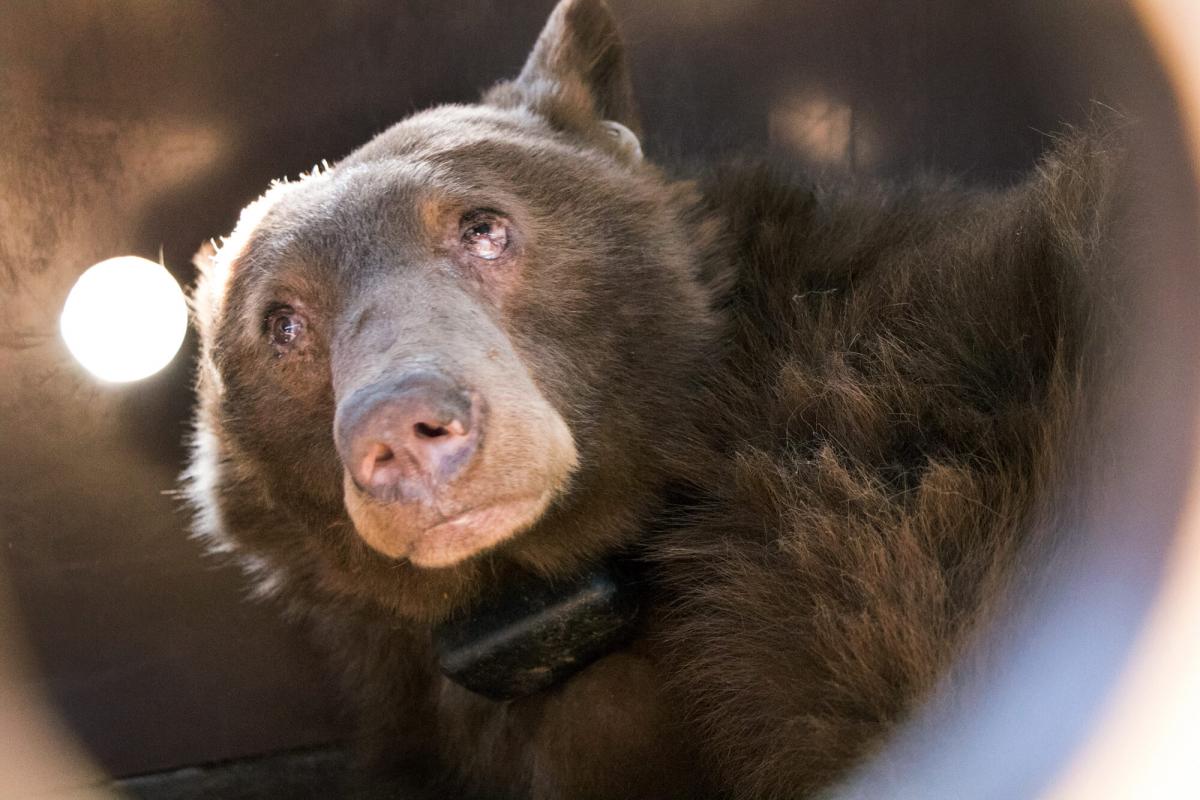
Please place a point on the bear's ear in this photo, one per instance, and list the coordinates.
(576, 74)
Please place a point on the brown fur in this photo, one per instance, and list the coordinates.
(825, 419)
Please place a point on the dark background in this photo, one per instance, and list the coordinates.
(143, 127)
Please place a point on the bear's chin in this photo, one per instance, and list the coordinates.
(431, 540)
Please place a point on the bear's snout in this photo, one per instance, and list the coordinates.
(447, 444)
(403, 440)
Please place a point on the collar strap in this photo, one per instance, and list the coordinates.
(536, 633)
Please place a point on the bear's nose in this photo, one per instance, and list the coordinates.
(402, 440)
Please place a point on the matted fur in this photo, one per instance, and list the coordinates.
(827, 418)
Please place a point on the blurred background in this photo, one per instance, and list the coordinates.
(142, 128)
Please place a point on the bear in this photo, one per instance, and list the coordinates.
(595, 481)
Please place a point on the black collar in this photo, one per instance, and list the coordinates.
(536, 633)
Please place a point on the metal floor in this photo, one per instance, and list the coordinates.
(297, 775)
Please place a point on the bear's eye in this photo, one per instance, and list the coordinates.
(485, 236)
(284, 326)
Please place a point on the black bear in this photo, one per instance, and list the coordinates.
(598, 483)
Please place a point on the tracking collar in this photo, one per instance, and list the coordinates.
(536, 633)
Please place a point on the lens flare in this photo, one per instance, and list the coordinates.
(125, 319)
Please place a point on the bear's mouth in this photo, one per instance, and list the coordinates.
(475, 530)
(430, 539)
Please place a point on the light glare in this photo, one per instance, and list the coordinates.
(124, 319)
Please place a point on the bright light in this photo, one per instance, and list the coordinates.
(125, 319)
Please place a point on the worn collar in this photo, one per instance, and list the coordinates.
(536, 633)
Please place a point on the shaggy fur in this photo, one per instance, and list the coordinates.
(825, 419)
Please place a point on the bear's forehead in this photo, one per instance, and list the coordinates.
(454, 128)
(460, 151)
(377, 200)
(497, 158)
(373, 199)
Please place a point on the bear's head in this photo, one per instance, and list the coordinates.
(469, 347)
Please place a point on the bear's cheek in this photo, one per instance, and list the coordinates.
(283, 415)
